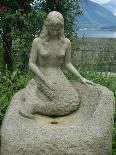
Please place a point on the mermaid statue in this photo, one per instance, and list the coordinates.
(52, 115)
(55, 95)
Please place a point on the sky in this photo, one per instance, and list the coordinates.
(103, 1)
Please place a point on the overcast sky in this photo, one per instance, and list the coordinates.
(103, 1)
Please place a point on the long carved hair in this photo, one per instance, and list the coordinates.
(53, 17)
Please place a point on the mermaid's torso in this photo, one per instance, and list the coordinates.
(64, 97)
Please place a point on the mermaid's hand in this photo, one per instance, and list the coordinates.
(86, 82)
(50, 85)
(26, 115)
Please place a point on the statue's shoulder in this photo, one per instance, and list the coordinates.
(37, 41)
(67, 41)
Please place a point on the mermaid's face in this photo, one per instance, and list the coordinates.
(55, 29)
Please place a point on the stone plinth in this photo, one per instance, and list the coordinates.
(87, 131)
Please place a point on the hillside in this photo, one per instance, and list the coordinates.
(111, 7)
(95, 16)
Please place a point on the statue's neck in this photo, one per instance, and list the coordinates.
(53, 38)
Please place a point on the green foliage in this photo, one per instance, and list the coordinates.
(105, 79)
(10, 83)
(23, 37)
(1, 56)
(24, 28)
(21, 23)
(68, 8)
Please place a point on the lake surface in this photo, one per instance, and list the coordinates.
(96, 33)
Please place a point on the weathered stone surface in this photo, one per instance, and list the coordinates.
(88, 131)
(63, 101)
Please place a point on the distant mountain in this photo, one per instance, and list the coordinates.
(111, 7)
(95, 16)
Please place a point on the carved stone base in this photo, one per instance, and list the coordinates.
(88, 131)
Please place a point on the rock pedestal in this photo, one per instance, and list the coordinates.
(87, 131)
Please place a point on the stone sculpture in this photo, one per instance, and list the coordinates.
(52, 115)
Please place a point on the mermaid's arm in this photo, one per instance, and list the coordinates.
(33, 59)
(34, 67)
(67, 61)
(68, 65)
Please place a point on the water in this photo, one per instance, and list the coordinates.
(96, 33)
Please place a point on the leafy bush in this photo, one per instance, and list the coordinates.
(10, 83)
